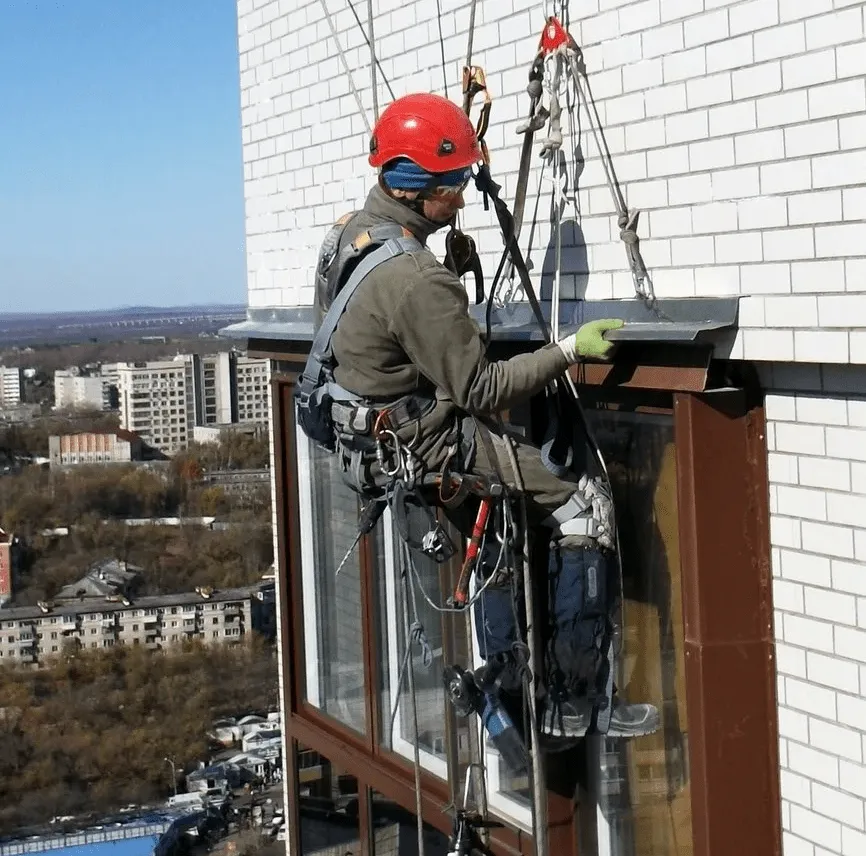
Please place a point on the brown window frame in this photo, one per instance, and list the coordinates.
(727, 615)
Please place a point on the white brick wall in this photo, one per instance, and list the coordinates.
(817, 449)
(738, 125)
(739, 128)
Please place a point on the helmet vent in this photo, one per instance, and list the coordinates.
(446, 147)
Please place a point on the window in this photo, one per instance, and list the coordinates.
(642, 786)
(429, 696)
(333, 643)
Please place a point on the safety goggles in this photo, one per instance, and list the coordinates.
(449, 191)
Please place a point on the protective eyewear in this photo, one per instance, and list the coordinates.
(444, 191)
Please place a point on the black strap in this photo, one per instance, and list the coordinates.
(486, 185)
(536, 75)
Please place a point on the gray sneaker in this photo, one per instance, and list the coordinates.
(632, 720)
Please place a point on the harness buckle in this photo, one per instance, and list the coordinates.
(362, 420)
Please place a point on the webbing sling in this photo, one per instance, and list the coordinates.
(392, 248)
(317, 388)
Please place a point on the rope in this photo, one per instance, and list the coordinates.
(442, 45)
(370, 44)
(626, 219)
(415, 633)
(539, 797)
(352, 87)
(471, 42)
(371, 41)
(414, 705)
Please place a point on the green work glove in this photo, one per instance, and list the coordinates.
(589, 342)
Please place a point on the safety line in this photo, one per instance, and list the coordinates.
(346, 68)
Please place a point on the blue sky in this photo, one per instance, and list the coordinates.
(121, 181)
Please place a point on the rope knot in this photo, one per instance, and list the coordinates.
(418, 635)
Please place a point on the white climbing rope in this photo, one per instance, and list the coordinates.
(345, 62)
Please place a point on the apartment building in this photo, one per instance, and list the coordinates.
(734, 415)
(251, 378)
(215, 402)
(10, 386)
(157, 401)
(164, 401)
(33, 634)
(110, 374)
(76, 391)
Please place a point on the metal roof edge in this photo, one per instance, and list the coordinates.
(683, 320)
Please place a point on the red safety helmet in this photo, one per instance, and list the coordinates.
(430, 130)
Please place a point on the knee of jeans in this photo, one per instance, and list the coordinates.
(496, 625)
(578, 585)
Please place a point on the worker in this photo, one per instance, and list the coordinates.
(406, 337)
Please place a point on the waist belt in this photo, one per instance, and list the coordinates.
(360, 417)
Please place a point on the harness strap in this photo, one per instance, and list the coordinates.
(393, 247)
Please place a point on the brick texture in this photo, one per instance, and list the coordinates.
(736, 126)
(818, 499)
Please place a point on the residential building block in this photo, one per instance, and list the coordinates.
(75, 391)
(10, 386)
(34, 634)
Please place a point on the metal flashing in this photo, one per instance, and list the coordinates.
(685, 321)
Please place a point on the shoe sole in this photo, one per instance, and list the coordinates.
(642, 729)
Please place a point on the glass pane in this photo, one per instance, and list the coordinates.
(433, 711)
(333, 650)
(395, 831)
(643, 784)
(329, 820)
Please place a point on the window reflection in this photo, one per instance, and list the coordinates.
(395, 831)
(442, 632)
(332, 604)
(327, 807)
(642, 785)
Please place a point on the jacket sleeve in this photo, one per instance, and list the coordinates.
(433, 326)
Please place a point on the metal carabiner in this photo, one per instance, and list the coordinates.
(397, 452)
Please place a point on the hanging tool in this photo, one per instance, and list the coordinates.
(367, 520)
(461, 592)
(468, 698)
